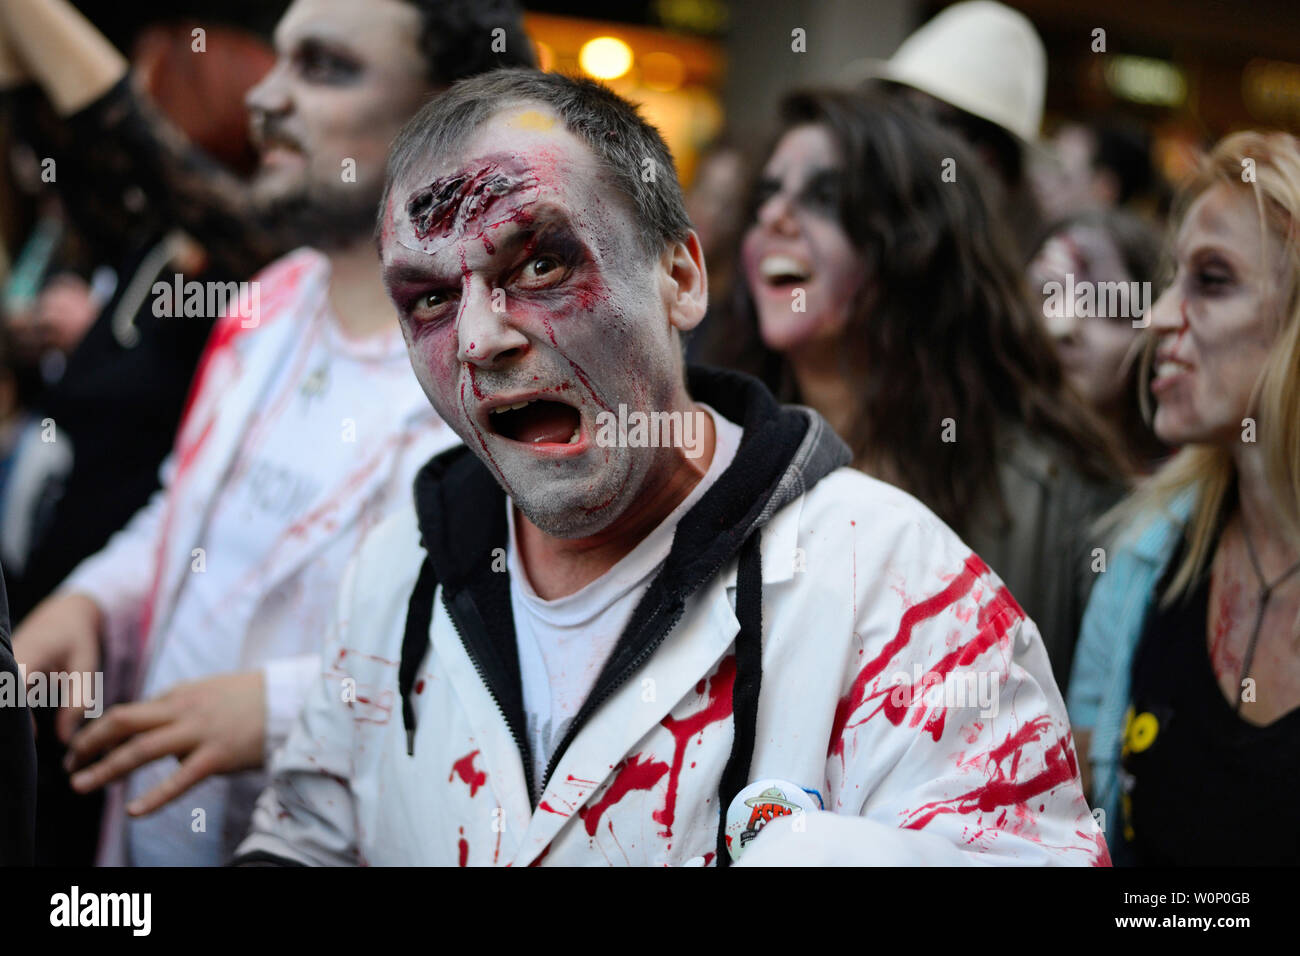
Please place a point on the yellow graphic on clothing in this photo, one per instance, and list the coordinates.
(1140, 732)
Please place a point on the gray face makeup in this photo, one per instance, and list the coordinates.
(529, 309)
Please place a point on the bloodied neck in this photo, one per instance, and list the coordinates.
(530, 305)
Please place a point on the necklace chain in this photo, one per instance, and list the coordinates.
(1265, 592)
(1264, 587)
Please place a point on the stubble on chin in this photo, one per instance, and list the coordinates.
(574, 508)
(301, 216)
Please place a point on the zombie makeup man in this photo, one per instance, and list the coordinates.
(324, 115)
(532, 300)
(542, 284)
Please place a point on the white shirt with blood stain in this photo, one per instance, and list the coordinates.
(329, 415)
(564, 643)
(295, 442)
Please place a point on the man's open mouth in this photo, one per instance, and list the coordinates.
(537, 421)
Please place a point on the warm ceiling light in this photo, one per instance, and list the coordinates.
(605, 58)
(662, 71)
(1146, 80)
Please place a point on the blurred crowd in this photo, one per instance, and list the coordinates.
(1085, 372)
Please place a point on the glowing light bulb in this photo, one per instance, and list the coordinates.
(605, 58)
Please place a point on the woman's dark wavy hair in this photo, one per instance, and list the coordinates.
(947, 330)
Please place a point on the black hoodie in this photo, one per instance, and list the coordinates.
(783, 453)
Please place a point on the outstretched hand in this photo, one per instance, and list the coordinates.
(215, 725)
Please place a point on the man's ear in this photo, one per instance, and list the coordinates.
(686, 282)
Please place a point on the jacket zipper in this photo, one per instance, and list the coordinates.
(590, 705)
(520, 745)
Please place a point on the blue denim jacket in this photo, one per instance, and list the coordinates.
(1103, 660)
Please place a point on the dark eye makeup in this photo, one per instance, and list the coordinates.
(765, 189)
(1211, 273)
(547, 257)
(319, 63)
(822, 193)
(544, 261)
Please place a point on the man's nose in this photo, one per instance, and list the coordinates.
(270, 95)
(486, 337)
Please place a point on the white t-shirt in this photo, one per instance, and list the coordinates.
(563, 644)
(329, 418)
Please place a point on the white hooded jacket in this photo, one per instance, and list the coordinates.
(409, 750)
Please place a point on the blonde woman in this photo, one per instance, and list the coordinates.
(1186, 687)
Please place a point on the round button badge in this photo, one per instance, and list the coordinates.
(759, 804)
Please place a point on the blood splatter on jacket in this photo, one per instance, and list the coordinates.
(896, 677)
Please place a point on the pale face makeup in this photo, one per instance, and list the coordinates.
(1217, 322)
(346, 78)
(529, 308)
(1095, 351)
(798, 244)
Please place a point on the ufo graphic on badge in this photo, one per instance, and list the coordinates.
(759, 804)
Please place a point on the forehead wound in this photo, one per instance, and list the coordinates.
(467, 202)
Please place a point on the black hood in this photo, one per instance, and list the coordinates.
(784, 451)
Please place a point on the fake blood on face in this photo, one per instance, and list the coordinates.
(453, 203)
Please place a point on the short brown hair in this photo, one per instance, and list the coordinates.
(611, 126)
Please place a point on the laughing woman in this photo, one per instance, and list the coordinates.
(1188, 669)
(880, 289)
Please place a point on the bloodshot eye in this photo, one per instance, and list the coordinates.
(427, 306)
(542, 272)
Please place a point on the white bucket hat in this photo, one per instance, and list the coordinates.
(979, 56)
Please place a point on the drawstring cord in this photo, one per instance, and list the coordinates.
(744, 692)
(415, 644)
